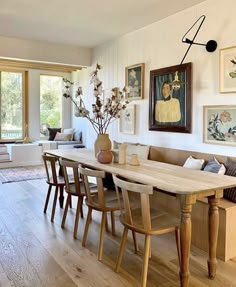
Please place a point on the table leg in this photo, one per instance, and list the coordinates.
(61, 196)
(213, 227)
(185, 239)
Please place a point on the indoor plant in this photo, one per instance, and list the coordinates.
(103, 111)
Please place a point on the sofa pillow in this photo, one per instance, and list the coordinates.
(141, 150)
(77, 136)
(69, 132)
(193, 163)
(53, 132)
(116, 145)
(230, 193)
(62, 137)
(214, 166)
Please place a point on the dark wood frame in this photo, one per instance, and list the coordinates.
(157, 77)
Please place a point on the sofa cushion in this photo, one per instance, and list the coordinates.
(193, 163)
(62, 137)
(214, 166)
(77, 136)
(70, 132)
(230, 193)
(141, 150)
(53, 132)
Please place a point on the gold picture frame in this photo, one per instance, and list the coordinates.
(134, 79)
(219, 124)
(227, 71)
(128, 119)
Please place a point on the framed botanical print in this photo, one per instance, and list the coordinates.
(219, 124)
(170, 99)
(228, 70)
(134, 79)
(127, 120)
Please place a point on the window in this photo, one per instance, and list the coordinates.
(13, 105)
(50, 103)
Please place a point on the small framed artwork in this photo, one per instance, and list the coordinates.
(228, 70)
(219, 125)
(127, 120)
(134, 79)
(170, 99)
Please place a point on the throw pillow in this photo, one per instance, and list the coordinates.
(62, 137)
(230, 193)
(214, 166)
(141, 150)
(77, 136)
(69, 132)
(53, 132)
(193, 163)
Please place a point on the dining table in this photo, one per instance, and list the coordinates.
(186, 184)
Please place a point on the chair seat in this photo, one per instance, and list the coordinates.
(110, 203)
(161, 222)
(82, 190)
(60, 180)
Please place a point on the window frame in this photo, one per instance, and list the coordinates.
(25, 109)
(62, 110)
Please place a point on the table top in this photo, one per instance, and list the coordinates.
(167, 177)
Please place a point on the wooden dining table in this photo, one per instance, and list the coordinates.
(186, 184)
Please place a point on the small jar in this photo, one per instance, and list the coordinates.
(104, 156)
(134, 159)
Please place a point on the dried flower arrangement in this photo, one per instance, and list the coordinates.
(104, 111)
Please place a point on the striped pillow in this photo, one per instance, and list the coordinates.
(230, 193)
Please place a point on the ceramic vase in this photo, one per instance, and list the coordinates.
(102, 143)
(104, 156)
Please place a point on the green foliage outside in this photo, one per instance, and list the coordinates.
(11, 105)
(50, 100)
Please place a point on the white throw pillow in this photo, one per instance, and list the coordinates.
(69, 132)
(141, 150)
(62, 137)
(193, 163)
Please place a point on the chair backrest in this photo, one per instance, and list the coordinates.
(50, 167)
(98, 176)
(70, 171)
(135, 202)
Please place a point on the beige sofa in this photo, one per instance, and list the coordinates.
(226, 248)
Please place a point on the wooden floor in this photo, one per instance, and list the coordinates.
(34, 252)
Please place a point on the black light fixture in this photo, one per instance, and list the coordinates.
(211, 46)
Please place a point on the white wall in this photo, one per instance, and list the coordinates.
(42, 51)
(159, 45)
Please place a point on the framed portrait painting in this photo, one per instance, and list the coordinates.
(134, 79)
(127, 120)
(170, 99)
(228, 70)
(219, 124)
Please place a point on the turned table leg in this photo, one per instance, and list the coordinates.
(185, 238)
(213, 226)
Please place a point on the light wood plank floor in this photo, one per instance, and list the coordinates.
(35, 252)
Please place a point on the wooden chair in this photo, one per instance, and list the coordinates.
(142, 219)
(75, 189)
(104, 201)
(52, 180)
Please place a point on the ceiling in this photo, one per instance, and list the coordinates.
(85, 23)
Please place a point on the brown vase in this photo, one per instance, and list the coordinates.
(102, 143)
(104, 156)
